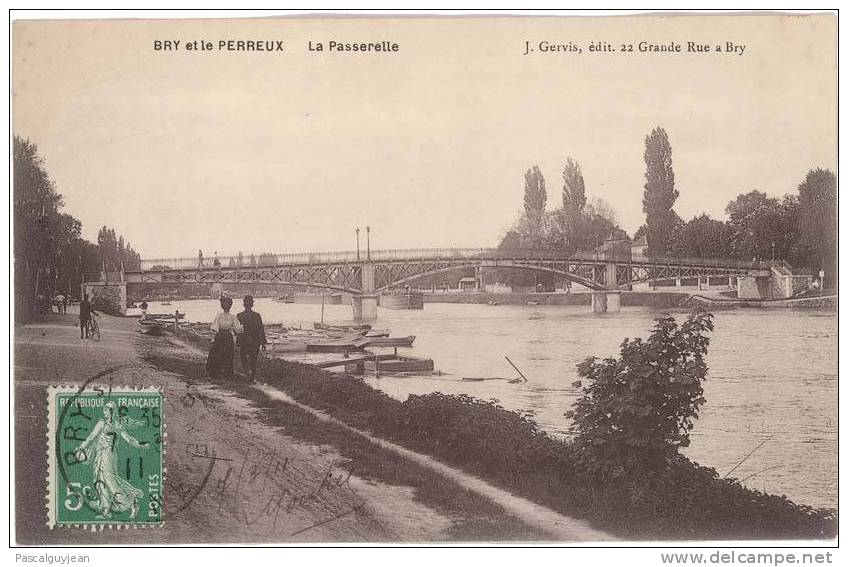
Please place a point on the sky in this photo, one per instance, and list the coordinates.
(290, 151)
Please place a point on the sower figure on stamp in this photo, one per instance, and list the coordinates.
(112, 493)
(252, 339)
(220, 361)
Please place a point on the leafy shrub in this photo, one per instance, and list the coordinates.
(636, 411)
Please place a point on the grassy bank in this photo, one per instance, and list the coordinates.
(508, 450)
(473, 517)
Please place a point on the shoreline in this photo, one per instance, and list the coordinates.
(654, 299)
(508, 450)
(336, 426)
(334, 484)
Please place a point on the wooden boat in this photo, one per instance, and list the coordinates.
(390, 341)
(400, 364)
(341, 345)
(377, 333)
(165, 316)
(348, 328)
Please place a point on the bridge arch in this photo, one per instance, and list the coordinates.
(249, 281)
(513, 266)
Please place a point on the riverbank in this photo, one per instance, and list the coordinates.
(827, 303)
(657, 299)
(322, 479)
(507, 450)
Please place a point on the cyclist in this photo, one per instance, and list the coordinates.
(86, 311)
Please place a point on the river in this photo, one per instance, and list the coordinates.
(771, 372)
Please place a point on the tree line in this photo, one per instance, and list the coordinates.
(799, 229)
(51, 257)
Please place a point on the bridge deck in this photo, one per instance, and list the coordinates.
(421, 254)
(379, 270)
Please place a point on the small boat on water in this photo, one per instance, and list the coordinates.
(390, 341)
(376, 333)
(348, 328)
(340, 345)
(400, 364)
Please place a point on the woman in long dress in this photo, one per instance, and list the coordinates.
(111, 492)
(225, 325)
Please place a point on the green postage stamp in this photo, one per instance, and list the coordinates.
(105, 457)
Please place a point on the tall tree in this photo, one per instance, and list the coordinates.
(40, 232)
(571, 220)
(817, 221)
(702, 237)
(535, 200)
(760, 226)
(115, 252)
(660, 194)
(573, 188)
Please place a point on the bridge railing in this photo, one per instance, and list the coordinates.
(720, 262)
(253, 260)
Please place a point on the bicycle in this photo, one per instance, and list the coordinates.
(93, 330)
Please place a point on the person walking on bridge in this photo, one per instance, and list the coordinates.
(252, 339)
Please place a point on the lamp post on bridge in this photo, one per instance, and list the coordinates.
(365, 304)
(772, 254)
(357, 244)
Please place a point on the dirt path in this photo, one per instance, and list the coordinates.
(236, 472)
(555, 525)
(229, 477)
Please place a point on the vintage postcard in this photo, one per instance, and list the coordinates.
(426, 279)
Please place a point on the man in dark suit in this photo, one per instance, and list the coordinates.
(85, 314)
(253, 337)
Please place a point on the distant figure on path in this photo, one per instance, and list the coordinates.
(220, 361)
(143, 309)
(200, 258)
(59, 302)
(253, 337)
(65, 301)
(216, 262)
(85, 314)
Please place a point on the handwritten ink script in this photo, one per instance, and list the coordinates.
(256, 486)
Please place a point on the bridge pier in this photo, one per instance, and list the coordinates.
(606, 301)
(364, 307)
